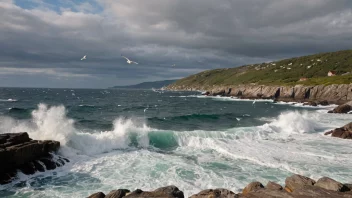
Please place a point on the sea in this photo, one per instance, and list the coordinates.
(146, 139)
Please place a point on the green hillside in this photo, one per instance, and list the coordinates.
(283, 72)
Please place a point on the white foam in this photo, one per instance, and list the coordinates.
(51, 123)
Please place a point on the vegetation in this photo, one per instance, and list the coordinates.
(285, 72)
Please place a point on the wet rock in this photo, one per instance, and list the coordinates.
(323, 103)
(117, 193)
(330, 184)
(18, 151)
(28, 168)
(311, 103)
(344, 132)
(38, 166)
(252, 187)
(97, 195)
(49, 164)
(297, 181)
(215, 193)
(344, 108)
(273, 186)
(165, 192)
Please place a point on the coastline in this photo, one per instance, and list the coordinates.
(333, 94)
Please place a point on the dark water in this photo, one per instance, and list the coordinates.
(97, 109)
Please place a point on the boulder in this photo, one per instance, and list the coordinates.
(273, 186)
(315, 191)
(117, 193)
(330, 184)
(252, 187)
(215, 193)
(323, 103)
(310, 103)
(297, 181)
(344, 132)
(165, 192)
(18, 151)
(267, 193)
(97, 195)
(344, 108)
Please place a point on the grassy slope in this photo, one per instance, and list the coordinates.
(265, 74)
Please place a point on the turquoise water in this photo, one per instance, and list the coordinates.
(148, 139)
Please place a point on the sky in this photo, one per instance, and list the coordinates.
(42, 41)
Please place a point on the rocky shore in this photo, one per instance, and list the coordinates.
(20, 153)
(296, 186)
(344, 132)
(333, 94)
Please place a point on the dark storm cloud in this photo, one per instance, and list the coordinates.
(49, 39)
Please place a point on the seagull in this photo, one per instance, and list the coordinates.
(173, 65)
(129, 61)
(84, 57)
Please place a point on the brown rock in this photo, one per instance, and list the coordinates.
(97, 195)
(315, 191)
(252, 187)
(343, 132)
(273, 186)
(267, 193)
(165, 192)
(215, 193)
(117, 193)
(330, 184)
(296, 181)
(344, 108)
(323, 103)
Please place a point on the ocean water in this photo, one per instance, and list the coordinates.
(148, 139)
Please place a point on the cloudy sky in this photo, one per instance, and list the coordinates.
(42, 41)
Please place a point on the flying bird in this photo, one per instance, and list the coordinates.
(84, 57)
(129, 61)
(173, 65)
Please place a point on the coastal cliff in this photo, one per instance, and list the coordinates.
(319, 77)
(335, 93)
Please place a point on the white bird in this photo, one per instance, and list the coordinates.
(173, 65)
(253, 102)
(129, 61)
(84, 57)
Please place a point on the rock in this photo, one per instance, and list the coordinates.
(117, 193)
(252, 187)
(97, 195)
(18, 151)
(344, 132)
(296, 181)
(215, 193)
(315, 191)
(49, 164)
(323, 103)
(273, 186)
(28, 168)
(344, 108)
(348, 187)
(39, 166)
(311, 103)
(267, 193)
(165, 192)
(330, 184)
